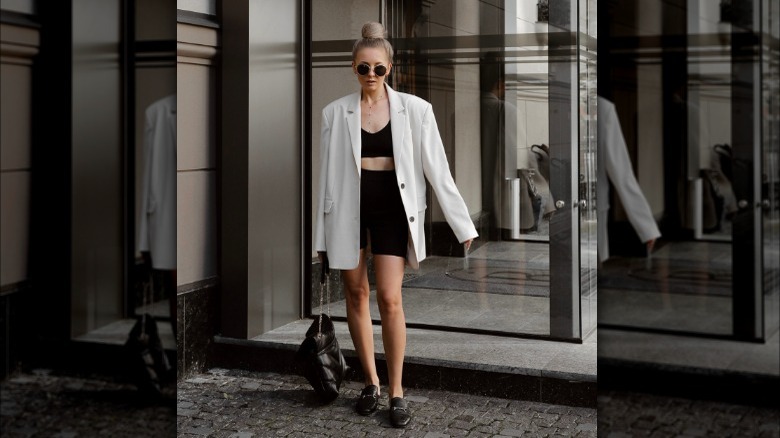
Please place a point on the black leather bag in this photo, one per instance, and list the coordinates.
(323, 364)
(146, 355)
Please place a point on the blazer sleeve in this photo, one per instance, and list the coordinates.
(619, 169)
(143, 232)
(319, 228)
(437, 171)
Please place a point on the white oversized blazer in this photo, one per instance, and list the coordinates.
(418, 153)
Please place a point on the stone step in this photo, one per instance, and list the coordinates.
(522, 369)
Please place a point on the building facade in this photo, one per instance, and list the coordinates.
(513, 85)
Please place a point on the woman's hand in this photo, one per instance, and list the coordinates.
(321, 255)
(467, 244)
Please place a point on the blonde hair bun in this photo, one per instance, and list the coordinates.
(373, 35)
(373, 29)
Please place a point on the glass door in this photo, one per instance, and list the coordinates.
(694, 90)
(153, 148)
(770, 163)
(512, 87)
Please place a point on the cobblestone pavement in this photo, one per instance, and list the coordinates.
(623, 415)
(241, 404)
(41, 404)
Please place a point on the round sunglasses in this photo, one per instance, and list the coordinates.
(363, 69)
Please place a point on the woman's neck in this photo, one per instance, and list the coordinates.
(373, 97)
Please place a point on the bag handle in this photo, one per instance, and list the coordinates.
(148, 290)
(324, 284)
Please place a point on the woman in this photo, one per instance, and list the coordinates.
(377, 148)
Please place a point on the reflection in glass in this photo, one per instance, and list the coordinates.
(153, 288)
(134, 121)
(588, 166)
(157, 215)
(694, 109)
(770, 163)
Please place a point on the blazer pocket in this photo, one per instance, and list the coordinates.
(328, 205)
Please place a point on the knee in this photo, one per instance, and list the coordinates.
(356, 294)
(389, 303)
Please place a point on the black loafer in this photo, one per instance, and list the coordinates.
(399, 412)
(368, 401)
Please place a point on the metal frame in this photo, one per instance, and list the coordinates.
(127, 62)
(306, 156)
(565, 294)
(672, 332)
(473, 331)
(747, 249)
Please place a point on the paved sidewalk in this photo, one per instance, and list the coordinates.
(42, 404)
(625, 415)
(242, 404)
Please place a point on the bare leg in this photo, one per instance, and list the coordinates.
(356, 290)
(389, 277)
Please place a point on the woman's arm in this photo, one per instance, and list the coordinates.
(619, 169)
(319, 227)
(437, 171)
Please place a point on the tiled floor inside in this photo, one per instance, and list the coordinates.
(685, 286)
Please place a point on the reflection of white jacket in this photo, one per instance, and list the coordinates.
(613, 160)
(157, 233)
(418, 153)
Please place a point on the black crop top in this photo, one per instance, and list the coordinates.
(378, 144)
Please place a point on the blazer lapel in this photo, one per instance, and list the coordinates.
(353, 122)
(397, 123)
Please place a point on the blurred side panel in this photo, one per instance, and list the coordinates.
(19, 44)
(197, 72)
